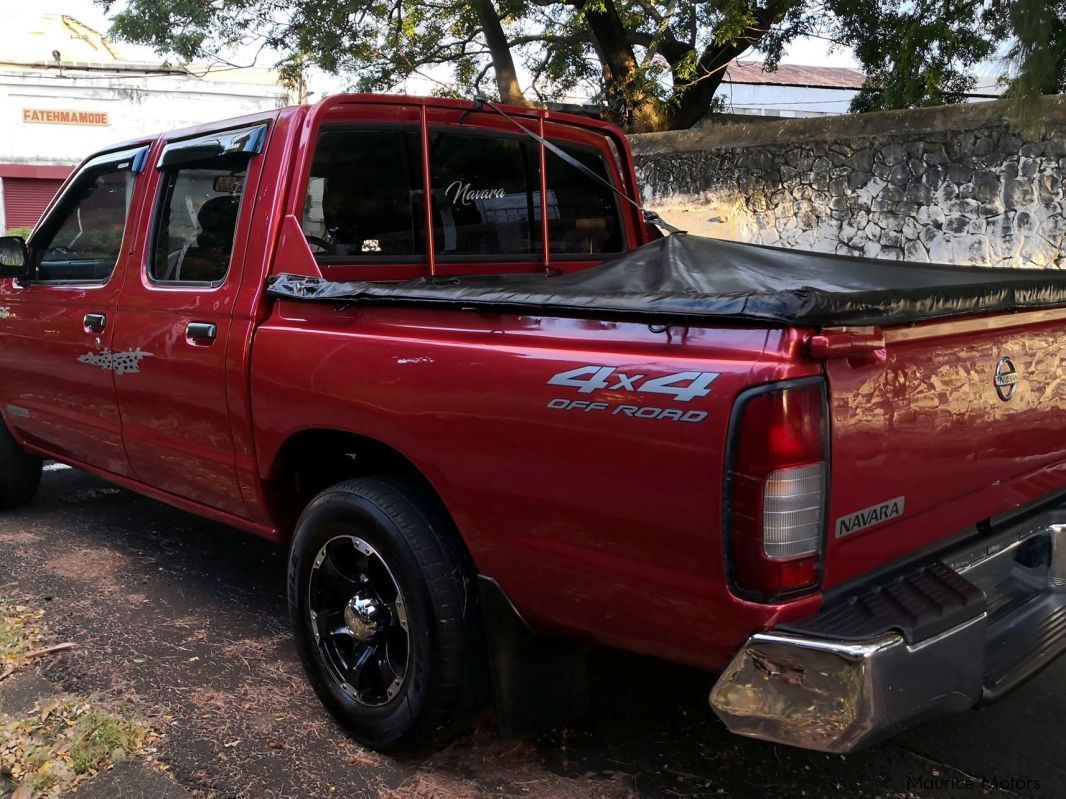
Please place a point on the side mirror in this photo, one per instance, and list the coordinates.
(14, 259)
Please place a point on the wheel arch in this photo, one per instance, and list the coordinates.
(312, 460)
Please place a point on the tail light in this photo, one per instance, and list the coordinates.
(778, 484)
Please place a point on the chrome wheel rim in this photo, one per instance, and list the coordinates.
(358, 617)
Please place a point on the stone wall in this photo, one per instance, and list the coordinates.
(953, 184)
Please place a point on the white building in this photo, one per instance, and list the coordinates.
(65, 91)
(798, 90)
(792, 90)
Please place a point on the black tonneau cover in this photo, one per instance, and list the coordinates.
(690, 279)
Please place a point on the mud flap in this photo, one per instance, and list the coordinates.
(537, 682)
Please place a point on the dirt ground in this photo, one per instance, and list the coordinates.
(186, 620)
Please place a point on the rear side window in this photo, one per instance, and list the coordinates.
(197, 219)
(364, 195)
(87, 235)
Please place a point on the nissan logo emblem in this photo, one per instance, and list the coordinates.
(1005, 379)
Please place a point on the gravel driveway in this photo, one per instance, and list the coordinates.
(186, 620)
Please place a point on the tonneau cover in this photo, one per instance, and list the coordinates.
(690, 279)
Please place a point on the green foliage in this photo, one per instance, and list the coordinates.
(647, 63)
(1037, 56)
(916, 52)
(24, 232)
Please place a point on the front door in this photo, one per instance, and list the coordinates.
(57, 358)
(176, 312)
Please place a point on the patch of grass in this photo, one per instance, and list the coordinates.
(101, 738)
(20, 633)
(67, 741)
(58, 745)
(24, 232)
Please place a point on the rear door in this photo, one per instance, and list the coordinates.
(57, 356)
(176, 310)
(964, 420)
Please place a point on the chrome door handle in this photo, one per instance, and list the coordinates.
(201, 332)
(94, 322)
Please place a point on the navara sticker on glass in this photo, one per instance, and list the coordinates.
(869, 517)
(678, 386)
(464, 194)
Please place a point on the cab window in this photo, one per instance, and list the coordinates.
(364, 195)
(486, 197)
(199, 203)
(81, 242)
(365, 198)
(583, 216)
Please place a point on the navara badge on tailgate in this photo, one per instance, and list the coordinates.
(868, 517)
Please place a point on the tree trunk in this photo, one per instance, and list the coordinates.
(694, 101)
(502, 61)
(630, 102)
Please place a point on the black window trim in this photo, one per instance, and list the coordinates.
(136, 156)
(248, 140)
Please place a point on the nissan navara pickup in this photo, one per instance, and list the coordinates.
(437, 350)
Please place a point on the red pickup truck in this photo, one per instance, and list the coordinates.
(436, 349)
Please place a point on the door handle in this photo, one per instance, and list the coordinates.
(201, 332)
(94, 322)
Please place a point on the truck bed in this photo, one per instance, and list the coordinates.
(693, 279)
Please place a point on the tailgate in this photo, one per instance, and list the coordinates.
(962, 421)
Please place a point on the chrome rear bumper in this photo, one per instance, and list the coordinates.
(926, 643)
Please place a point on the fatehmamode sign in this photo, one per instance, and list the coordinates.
(53, 116)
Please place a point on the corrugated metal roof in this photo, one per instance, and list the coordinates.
(795, 75)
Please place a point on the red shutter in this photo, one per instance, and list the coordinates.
(25, 199)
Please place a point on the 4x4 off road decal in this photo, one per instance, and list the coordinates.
(868, 517)
(679, 387)
(121, 363)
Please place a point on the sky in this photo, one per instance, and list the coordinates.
(809, 51)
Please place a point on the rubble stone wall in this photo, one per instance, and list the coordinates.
(953, 184)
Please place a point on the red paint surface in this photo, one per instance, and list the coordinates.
(928, 425)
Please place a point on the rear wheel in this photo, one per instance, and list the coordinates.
(20, 473)
(382, 604)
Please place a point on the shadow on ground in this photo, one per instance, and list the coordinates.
(187, 619)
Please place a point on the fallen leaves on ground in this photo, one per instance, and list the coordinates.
(66, 741)
(63, 741)
(20, 634)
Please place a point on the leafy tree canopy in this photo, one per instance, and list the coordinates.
(650, 64)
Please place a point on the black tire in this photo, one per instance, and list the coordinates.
(20, 473)
(441, 617)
